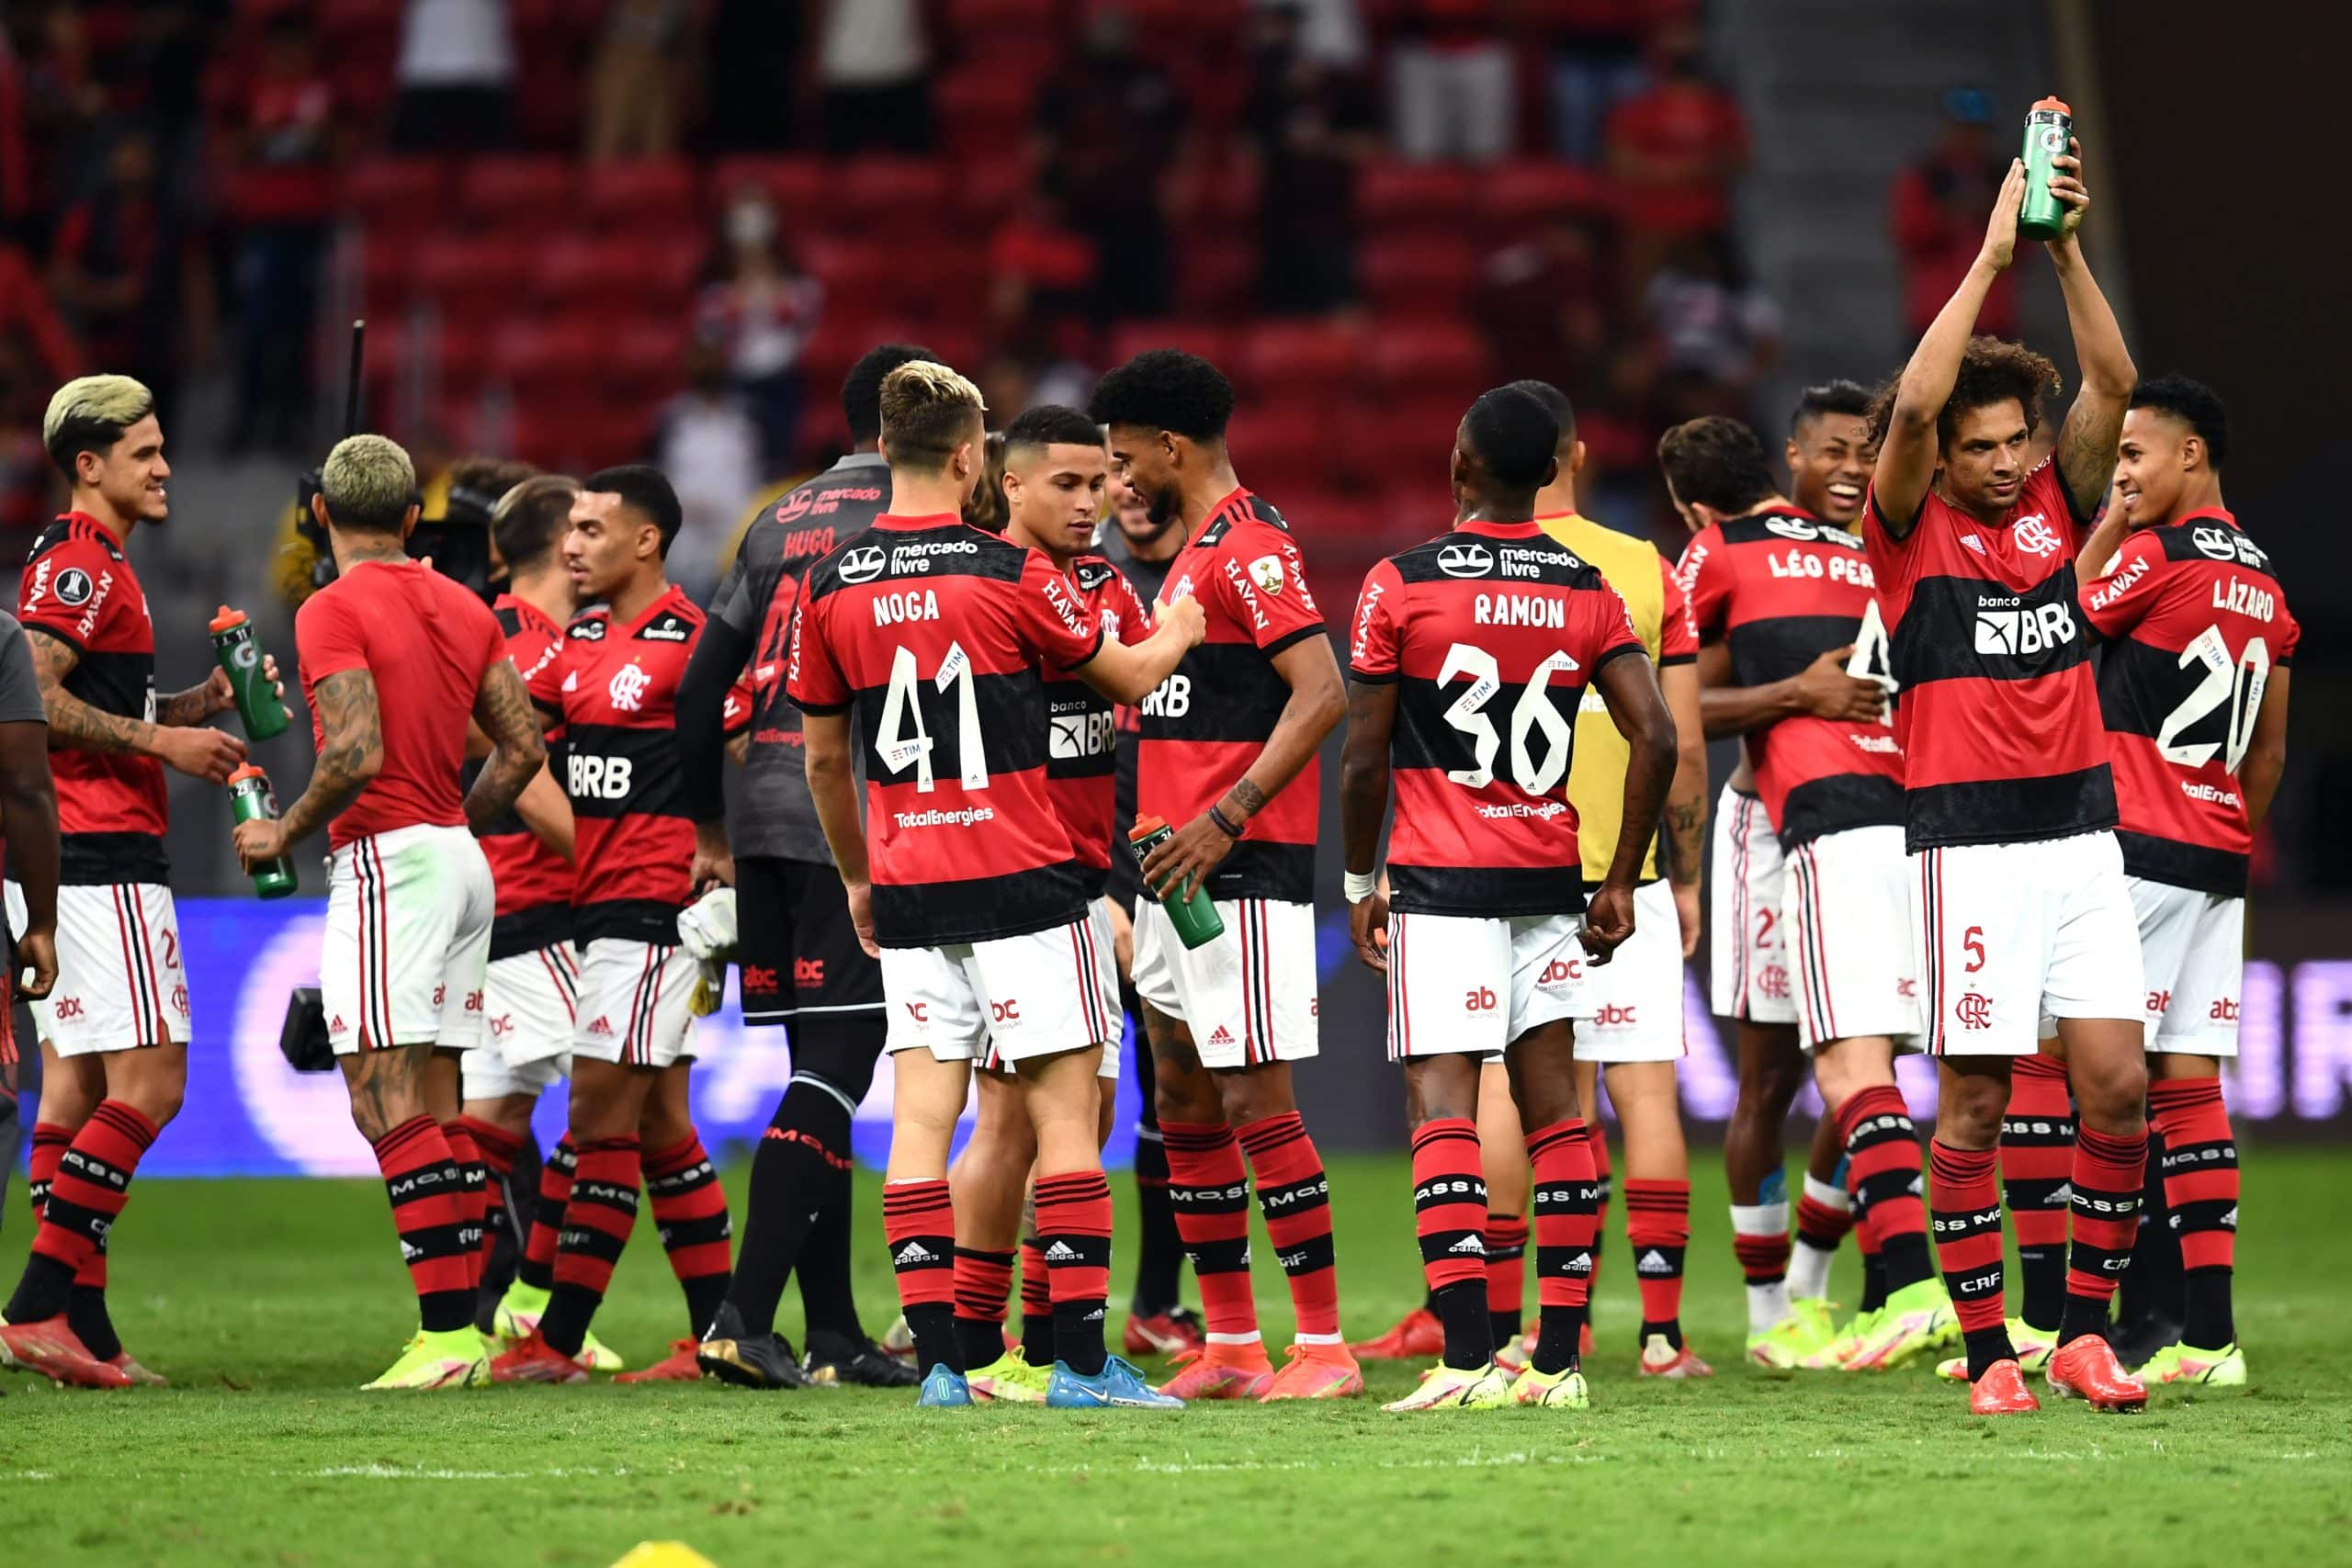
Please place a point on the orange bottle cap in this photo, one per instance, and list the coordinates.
(228, 619)
(247, 772)
(1146, 826)
(2058, 104)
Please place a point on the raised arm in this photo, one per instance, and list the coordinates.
(1821, 689)
(210, 754)
(2087, 441)
(1906, 456)
(1365, 767)
(834, 787)
(1629, 686)
(519, 751)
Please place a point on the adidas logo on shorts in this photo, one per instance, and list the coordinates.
(1223, 1036)
(914, 1252)
(602, 1026)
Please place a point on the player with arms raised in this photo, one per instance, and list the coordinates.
(2193, 684)
(2020, 909)
(1470, 654)
(929, 640)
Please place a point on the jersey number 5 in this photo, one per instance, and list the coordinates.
(1532, 712)
(901, 739)
(2236, 681)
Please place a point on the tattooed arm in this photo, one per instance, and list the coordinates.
(1686, 799)
(351, 753)
(518, 751)
(74, 724)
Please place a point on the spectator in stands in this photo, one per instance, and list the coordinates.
(1543, 305)
(1960, 173)
(1676, 146)
(65, 98)
(1107, 127)
(28, 318)
(1330, 32)
(640, 86)
(751, 55)
(758, 308)
(709, 445)
(1594, 54)
(24, 470)
(1310, 127)
(1043, 271)
(1453, 86)
(281, 194)
(119, 269)
(874, 62)
(455, 77)
(1711, 333)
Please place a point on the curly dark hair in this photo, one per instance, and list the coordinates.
(862, 388)
(2193, 404)
(1715, 462)
(1166, 388)
(1830, 396)
(1992, 370)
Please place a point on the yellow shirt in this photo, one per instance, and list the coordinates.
(1597, 770)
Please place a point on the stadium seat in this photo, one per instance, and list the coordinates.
(516, 192)
(396, 196)
(1213, 341)
(580, 269)
(641, 194)
(1515, 197)
(1216, 272)
(1283, 445)
(473, 280)
(540, 357)
(1424, 276)
(1398, 197)
(1430, 357)
(796, 185)
(878, 194)
(1316, 360)
(985, 114)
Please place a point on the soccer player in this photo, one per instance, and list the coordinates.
(1468, 655)
(1159, 1323)
(1827, 454)
(1772, 590)
(115, 1066)
(1054, 468)
(394, 660)
(2193, 686)
(801, 966)
(933, 639)
(610, 691)
(1228, 758)
(1635, 1035)
(29, 832)
(2020, 907)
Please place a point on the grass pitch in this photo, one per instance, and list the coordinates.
(268, 1303)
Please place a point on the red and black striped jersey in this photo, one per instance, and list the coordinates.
(614, 689)
(534, 883)
(78, 588)
(1492, 632)
(931, 634)
(1999, 719)
(1207, 722)
(2196, 622)
(1781, 588)
(1082, 751)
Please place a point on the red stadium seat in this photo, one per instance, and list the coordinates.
(1283, 445)
(986, 114)
(1213, 341)
(474, 280)
(796, 185)
(1312, 359)
(1409, 442)
(1216, 272)
(1398, 197)
(576, 269)
(1430, 357)
(515, 192)
(642, 194)
(876, 194)
(544, 356)
(1516, 195)
(1417, 276)
(396, 196)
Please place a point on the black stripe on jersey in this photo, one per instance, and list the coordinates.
(1965, 628)
(2139, 686)
(1261, 870)
(916, 555)
(1838, 802)
(2213, 541)
(1778, 647)
(936, 914)
(1081, 739)
(1422, 738)
(1012, 740)
(111, 682)
(2176, 865)
(2009, 811)
(1291, 637)
(96, 860)
(1764, 527)
(528, 930)
(1231, 693)
(611, 772)
(651, 921)
(1482, 560)
(1486, 890)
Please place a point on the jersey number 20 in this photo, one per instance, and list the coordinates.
(2236, 681)
(1532, 712)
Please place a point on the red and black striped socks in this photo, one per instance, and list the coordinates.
(2110, 1173)
(1295, 1197)
(2200, 1178)
(983, 1283)
(690, 1212)
(498, 1151)
(1506, 1242)
(537, 1266)
(473, 1197)
(2037, 1162)
(87, 1188)
(86, 1303)
(1074, 1235)
(1567, 1226)
(1883, 1168)
(427, 1192)
(1658, 1227)
(598, 1216)
(1036, 1304)
(1968, 1249)
(1209, 1190)
(918, 1223)
(1449, 1215)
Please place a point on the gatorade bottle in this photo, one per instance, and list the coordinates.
(252, 799)
(240, 655)
(1195, 919)
(2048, 130)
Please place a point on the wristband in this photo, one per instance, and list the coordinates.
(1218, 818)
(1358, 889)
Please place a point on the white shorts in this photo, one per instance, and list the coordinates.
(1637, 997)
(1006, 1000)
(121, 982)
(1098, 917)
(1466, 984)
(1847, 911)
(2193, 945)
(407, 939)
(2010, 934)
(1247, 998)
(530, 1006)
(1748, 951)
(636, 1003)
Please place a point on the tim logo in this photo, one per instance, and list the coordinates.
(805, 972)
(1005, 1013)
(1973, 1010)
(758, 979)
(1613, 1015)
(628, 687)
(2035, 536)
(1480, 1001)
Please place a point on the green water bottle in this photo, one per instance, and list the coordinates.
(252, 799)
(1195, 919)
(240, 655)
(2048, 130)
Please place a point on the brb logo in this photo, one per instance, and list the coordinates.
(2009, 629)
(628, 687)
(1974, 1010)
(598, 778)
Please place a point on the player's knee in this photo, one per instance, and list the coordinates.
(840, 1053)
(1968, 1114)
(1247, 1095)
(2112, 1095)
